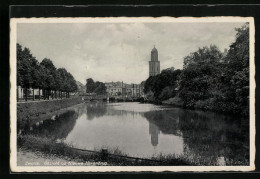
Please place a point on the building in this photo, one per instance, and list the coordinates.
(154, 64)
(115, 88)
(124, 90)
(133, 90)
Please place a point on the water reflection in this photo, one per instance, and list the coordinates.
(95, 110)
(154, 132)
(57, 127)
(166, 120)
(145, 130)
(215, 136)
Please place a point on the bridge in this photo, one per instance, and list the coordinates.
(88, 97)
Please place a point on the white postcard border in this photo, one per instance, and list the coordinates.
(13, 115)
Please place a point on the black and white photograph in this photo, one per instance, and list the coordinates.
(132, 94)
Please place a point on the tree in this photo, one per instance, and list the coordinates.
(95, 87)
(19, 56)
(201, 75)
(24, 69)
(49, 74)
(71, 84)
(19, 69)
(90, 86)
(44, 75)
(36, 74)
(165, 82)
(215, 81)
(100, 88)
(62, 72)
(236, 77)
(42, 79)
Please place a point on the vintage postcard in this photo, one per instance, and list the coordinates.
(132, 94)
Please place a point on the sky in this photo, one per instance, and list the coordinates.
(120, 51)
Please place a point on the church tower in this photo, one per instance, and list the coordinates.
(154, 64)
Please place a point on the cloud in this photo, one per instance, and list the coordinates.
(121, 51)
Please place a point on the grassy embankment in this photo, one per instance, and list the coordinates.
(207, 105)
(62, 150)
(113, 157)
(32, 112)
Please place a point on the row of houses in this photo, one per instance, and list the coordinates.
(125, 90)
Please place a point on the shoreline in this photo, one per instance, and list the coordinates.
(114, 157)
(181, 105)
(30, 158)
(30, 113)
(49, 149)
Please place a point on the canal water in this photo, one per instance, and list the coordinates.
(147, 130)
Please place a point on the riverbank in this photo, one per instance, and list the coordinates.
(31, 111)
(207, 105)
(49, 148)
(48, 151)
(29, 158)
(174, 101)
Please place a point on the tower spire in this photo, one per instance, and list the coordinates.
(154, 64)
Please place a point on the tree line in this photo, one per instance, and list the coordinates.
(162, 86)
(210, 79)
(42, 76)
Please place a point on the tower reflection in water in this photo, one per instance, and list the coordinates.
(154, 133)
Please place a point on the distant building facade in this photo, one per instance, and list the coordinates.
(154, 64)
(124, 90)
(115, 88)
